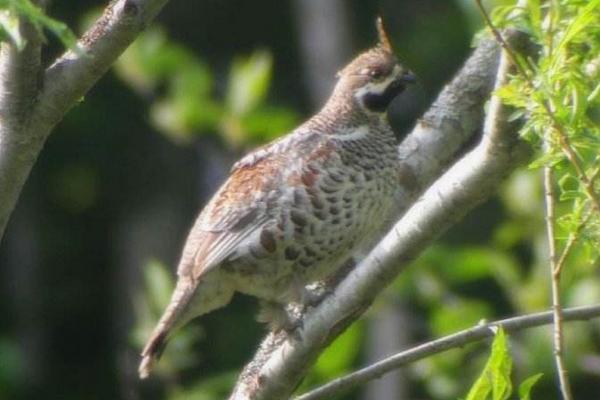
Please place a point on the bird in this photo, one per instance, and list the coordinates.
(293, 211)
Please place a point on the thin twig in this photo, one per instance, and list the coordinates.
(502, 42)
(555, 273)
(573, 237)
(563, 137)
(595, 175)
(441, 345)
(550, 31)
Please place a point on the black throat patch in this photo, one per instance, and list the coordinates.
(379, 102)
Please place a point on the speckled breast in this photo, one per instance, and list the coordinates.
(325, 212)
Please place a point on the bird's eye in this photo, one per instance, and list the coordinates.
(376, 73)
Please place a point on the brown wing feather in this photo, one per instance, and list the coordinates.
(241, 206)
(236, 211)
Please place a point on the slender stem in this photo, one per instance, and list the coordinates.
(573, 237)
(555, 273)
(595, 175)
(552, 8)
(502, 42)
(456, 340)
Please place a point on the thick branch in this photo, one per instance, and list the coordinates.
(454, 119)
(19, 72)
(64, 84)
(281, 362)
(470, 180)
(454, 341)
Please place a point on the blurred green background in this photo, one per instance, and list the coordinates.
(88, 257)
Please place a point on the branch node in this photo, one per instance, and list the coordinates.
(131, 8)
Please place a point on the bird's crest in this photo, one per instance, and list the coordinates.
(383, 46)
(384, 40)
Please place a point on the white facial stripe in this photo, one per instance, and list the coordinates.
(378, 87)
(358, 133)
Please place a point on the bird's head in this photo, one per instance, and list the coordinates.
(375, 77)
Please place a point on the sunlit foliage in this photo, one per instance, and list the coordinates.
(11, 12)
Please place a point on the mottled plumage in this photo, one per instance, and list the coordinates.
(293, 211)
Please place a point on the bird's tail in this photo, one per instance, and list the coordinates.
(172, 318)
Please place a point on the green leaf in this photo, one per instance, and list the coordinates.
(578, 102)
(187, 107)
(24, 9)
(501, 14)
(495, 377)
(9, 26)
(581, 22)
(570, 195)
(152, 59)
(593, 96)
(535, 15)
(192, 81)
(143, 63)
(547, 159)
(569, 187)
(267, 123)
(248, 82)
(512, 95)
(179, 116)
(526, 386)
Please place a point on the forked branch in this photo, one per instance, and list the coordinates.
(47, 96)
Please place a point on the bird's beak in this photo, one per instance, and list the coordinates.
(408, 77)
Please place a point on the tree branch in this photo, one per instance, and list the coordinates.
(19, 69)
(281, 361)
(19, 72)
(65, 82)
(456, 340)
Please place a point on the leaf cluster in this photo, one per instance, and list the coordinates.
(557, 92)
(13, 13)
(182, 91)
(495, 383)
(505, 272)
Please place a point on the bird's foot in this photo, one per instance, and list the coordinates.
(281, 318)
(314, 294)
